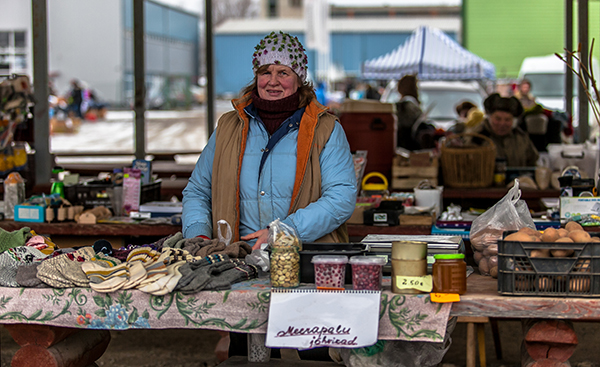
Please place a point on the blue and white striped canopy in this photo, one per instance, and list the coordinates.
(432, 55)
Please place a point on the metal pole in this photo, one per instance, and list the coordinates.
(569, 46)
(210, 89)
(139, 77)
(584, 126)
(41, 123)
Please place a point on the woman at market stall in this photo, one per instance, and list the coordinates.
(279, 154)
(500, 125)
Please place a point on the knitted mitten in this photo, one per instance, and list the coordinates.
(13, 239)
(239, 272)
(26, 276)
(172, 240)
(238, 249)
(12, 259)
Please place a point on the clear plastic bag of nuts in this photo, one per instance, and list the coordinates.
(285, 257)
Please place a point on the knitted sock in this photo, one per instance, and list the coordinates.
(172, 240)
(70, 266)
(12, 259)
(136, 261)
(156, 268)
(26, 276)
(160, 284)
(168, 288)
(175, 256)
(13, 239)
(137, 273)
(106, 274)
(64, 270)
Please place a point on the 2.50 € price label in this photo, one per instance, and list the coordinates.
(423, 283)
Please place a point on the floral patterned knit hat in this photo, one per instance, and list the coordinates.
(281, 49)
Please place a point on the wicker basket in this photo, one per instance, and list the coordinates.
(470, 166)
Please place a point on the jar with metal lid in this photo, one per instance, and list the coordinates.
(450, 273)
(285, 267)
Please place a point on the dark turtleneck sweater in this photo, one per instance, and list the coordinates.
(274, 113)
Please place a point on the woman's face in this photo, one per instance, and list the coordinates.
(501, 122)
(277, 82)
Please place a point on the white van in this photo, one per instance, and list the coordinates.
(547, 77)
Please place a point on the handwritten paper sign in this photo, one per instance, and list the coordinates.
(423, 283)
(309, 318)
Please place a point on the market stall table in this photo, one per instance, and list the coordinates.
(69, 234)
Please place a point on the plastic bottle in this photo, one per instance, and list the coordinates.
(14, 193)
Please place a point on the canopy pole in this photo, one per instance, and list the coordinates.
(139, 70)
(584, 125)
(41, 123)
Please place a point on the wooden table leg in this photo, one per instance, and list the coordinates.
(481, 344)
(496, 336)
(471, 345)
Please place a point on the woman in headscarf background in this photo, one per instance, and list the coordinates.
(279, 154)
(512, 143)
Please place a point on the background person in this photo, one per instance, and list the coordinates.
(523, 94)
(511, 142)
(469, 118)
(413, 132)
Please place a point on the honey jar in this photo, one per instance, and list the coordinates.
(450, 273)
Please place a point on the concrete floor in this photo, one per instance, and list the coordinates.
(188, 347)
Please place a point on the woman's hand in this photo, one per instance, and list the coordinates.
(261, 236)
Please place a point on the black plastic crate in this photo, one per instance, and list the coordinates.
(95, 193)
(519, 274)
(310, 249)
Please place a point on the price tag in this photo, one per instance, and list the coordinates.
(444, 297)
(423, 283)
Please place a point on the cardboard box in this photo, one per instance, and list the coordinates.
(357, 215)
(573, 206)
(29, 213)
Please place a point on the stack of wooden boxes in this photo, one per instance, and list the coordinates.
(407, 172)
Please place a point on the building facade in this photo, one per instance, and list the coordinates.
(92, 41)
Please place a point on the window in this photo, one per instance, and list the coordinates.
(20, 40)
(13, 56)
(4, 39)
(272, 9)
(295, 3)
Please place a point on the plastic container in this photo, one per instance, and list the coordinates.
(330, 271)
(285, 267)
(520, 274)
(409, 250)
(367, 272)
(450, 273)
(312, 249)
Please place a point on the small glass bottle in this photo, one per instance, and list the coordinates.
(450, 273)
(500, 172)
(285, 267)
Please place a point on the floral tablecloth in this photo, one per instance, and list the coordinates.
(244, 308)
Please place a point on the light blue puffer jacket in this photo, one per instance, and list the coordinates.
(267, 196)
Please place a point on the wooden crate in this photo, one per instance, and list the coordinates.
(408, 177)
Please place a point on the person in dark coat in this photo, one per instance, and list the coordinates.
(512, 143)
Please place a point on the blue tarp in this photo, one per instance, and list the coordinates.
(432, 55)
